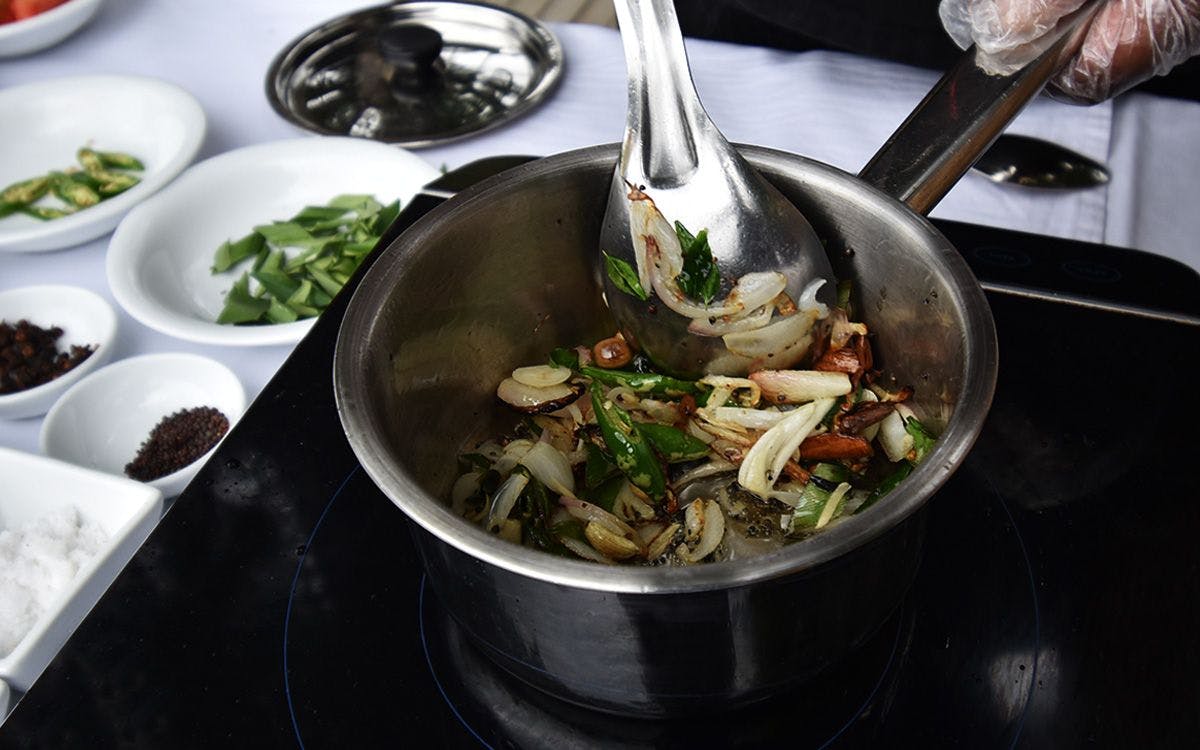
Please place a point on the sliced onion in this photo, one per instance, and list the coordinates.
(790, 498)
(533, 400)
(624, 397)
(800, 386)
(808, 301)
(708, 516)
(758, 289)
(504, 500)
(695, 431)
(842, 329)
(780, 344)
(490, 449)
(893, 438)
(559, 433)
(658, 546)
(765, 460)
(464, 487)
(709, 468)
(725, 387)
(512, 455)
(647, 532)
(664, 412)
(631, 506)
(584, 550)
(728, 363)
(645, 220)
(753, 419)
(831, 504)
(541, 376)
(550, 467)
(735, 435)
(721, 326)
(589, 512)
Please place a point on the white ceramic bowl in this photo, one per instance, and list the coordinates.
(102, 420)
(126, 510)
(46, 29)
(159, 260)
(84, 317)
(158, 122)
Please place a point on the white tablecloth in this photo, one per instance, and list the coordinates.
(833, 107)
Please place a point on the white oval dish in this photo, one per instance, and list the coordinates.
(158, 122)
(46, 29)
(159, 260)
(102, 420)
(84, 317)
(126, 510)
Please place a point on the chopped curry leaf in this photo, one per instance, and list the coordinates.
(241, 306)
(299, 265)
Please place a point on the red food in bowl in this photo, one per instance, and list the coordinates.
(19, 10)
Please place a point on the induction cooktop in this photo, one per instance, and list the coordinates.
(280, 602)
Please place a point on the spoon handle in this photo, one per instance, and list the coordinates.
(667, 124)
(963, 114)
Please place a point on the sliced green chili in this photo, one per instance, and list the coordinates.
(631, 452)
(27, 191)
(673, 444)
(46, 213)
(93, 160)
(923, 439)
(639, 382)
(72, 191)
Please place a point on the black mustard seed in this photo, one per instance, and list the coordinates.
(176, 441)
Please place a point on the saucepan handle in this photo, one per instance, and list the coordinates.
(961, 116)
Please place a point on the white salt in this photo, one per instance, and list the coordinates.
(38, 560)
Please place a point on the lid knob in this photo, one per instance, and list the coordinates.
(412, 51)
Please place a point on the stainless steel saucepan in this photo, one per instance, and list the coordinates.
(503, 272)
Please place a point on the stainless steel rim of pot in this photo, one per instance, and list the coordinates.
(434, 514)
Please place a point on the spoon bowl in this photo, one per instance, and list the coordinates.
(1033, 162)
(675, 155)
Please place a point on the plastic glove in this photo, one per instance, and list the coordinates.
(1128, 40)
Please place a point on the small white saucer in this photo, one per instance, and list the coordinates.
(102, 421)
(84, 317)
(157, 122)
(160, 258)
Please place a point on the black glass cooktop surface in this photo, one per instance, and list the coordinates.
(280, 602)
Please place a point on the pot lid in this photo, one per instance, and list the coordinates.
(415, 73)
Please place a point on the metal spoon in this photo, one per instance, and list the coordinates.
(1032, 162)
(674, 153)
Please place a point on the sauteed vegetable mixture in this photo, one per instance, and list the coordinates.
(612, 461)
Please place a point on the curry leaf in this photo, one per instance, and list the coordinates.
(624, 277)
(699, 278)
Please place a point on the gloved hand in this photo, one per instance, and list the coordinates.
(1128, 40)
